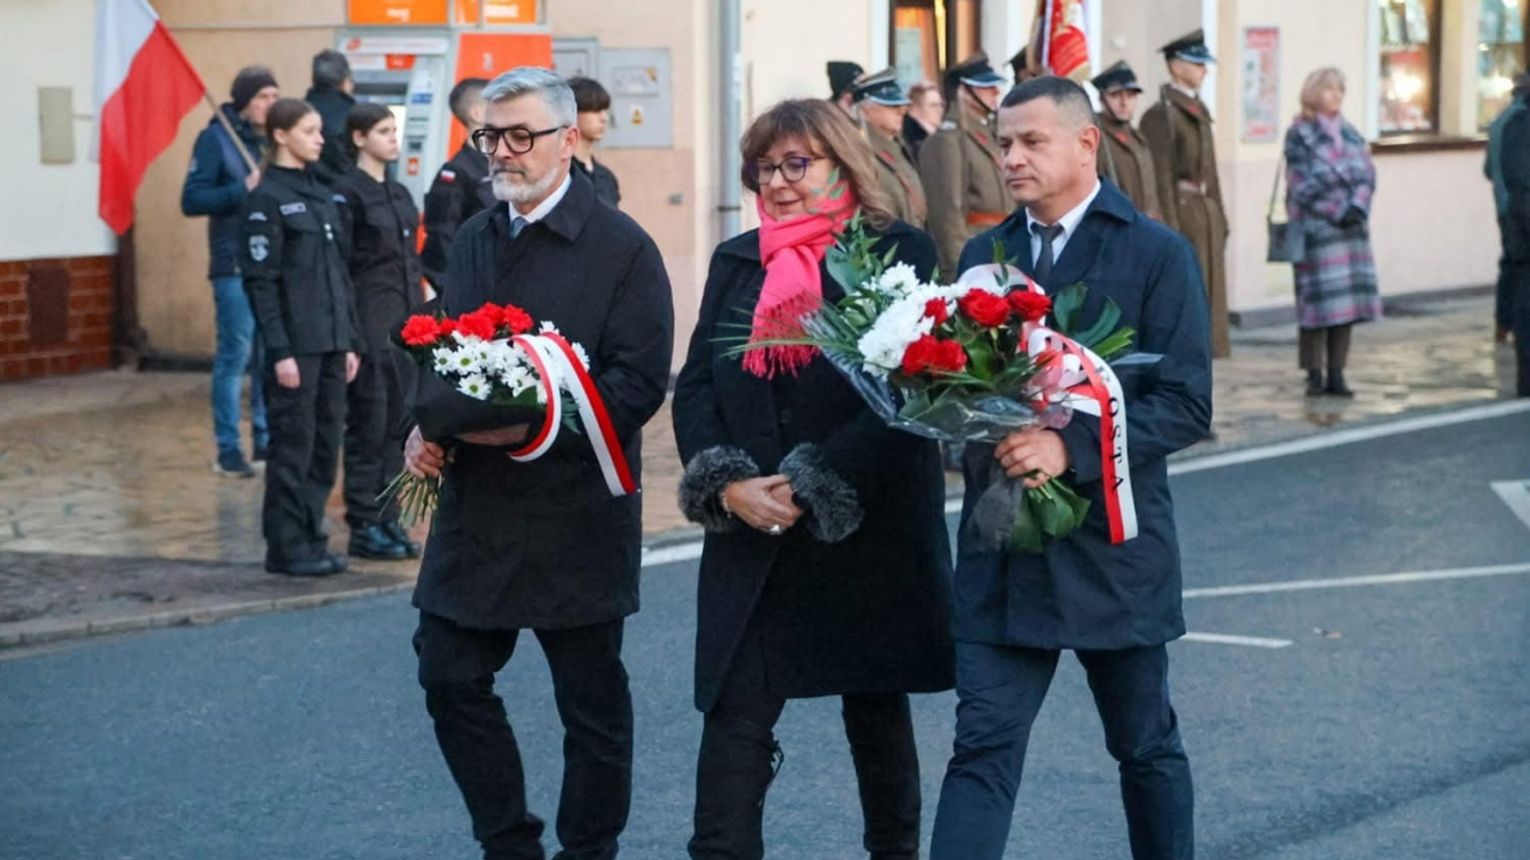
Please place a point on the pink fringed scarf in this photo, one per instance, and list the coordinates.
(791, 251)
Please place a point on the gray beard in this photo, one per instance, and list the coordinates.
(509, 192)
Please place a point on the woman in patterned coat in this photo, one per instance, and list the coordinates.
(1330, 183)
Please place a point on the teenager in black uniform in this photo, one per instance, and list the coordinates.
(461, 189)
(385, 271)
(295, 273)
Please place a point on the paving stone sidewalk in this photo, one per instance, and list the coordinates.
(111, 517)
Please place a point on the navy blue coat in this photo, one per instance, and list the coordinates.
(1083, 592)
(215, 188)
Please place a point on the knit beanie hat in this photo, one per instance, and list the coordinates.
(249, 81)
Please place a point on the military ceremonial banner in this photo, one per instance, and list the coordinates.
(1064, 43)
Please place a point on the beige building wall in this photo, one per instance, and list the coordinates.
(49, 210)
(175, 305)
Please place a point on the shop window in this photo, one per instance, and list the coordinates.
(1500, 56)
(1410, 66)
(929, 35)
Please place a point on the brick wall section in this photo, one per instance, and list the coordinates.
(91, 302)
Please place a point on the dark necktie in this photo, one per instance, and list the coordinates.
(517, 224)
(1044, 260)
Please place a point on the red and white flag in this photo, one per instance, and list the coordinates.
(144, 88)
(1064, 45)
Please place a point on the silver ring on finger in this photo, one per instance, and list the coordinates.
(774, 530)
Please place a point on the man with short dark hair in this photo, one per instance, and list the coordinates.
(1115, 605)
(461, 189)
(543, 547)
(216, 184)
(594, 115)
(331, 95)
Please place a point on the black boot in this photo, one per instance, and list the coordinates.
(373, 541)
(1314, 383)
(737, 763)
(881, 735)
(401, 537)
(1336, 385)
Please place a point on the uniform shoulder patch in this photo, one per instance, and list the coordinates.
(257, 215)
(260, 248)
(294, 208)
(448, 175)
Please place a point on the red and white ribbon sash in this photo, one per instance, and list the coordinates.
(1095, 390)
(559, 367)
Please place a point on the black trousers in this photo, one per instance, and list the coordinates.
(306, 424)
(1515, 298)
(739, 756)
(999, 692)
(374, 437)
(457, 667)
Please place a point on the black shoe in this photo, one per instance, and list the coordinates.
(1314, 383)
(401, 537)
(324, 565)
(231, 464)
(259, 456)
(373, 541)
(1336, 385)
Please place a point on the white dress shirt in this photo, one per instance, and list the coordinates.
(1068, 222)
(546, 206)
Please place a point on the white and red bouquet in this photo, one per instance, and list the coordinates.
(975, 361)
(487, 369)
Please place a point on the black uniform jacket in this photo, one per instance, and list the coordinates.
(291, 242)
(544, 545)
(856, 597)
(461, 190)
(1083, 592)
(385, 269)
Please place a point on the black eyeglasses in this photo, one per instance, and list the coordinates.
(520, 140)
(792, 169)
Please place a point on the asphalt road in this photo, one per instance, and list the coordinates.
(1396, 723)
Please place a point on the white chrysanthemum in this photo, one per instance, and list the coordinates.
(445, 358)
(547, 328)
(475, 386)
(899, 279)
(584, 357)
(883, 345)
(499, 355)
(517, 379)
(465, 361)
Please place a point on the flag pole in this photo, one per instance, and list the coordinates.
(249, 160)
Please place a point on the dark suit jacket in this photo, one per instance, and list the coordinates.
(1083, 592)
(855, 598)
(543, 544)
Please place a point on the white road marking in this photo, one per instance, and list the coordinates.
(1318, 442)
(1359, 581)
(1515, 494)
(1224, 639)
(1335, 438)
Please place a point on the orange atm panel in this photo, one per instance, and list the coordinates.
(484, 55)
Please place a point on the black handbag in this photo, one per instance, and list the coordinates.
(1288, 241)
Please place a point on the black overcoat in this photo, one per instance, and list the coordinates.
(856, 597)
(1084, 592)
(544, 545)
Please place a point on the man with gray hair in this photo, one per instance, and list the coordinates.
(331, 95)
(542, 546)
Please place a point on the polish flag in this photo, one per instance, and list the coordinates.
(144, 88)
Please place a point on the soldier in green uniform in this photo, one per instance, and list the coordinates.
(1178, 130)
(960, 163)
(1127, 152)
(882, 106)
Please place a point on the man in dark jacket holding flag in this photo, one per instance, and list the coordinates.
(216, 184)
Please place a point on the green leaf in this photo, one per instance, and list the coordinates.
(1065, 306)
(1026, 536)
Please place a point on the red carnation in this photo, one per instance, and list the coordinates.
(930, 353)
(517, 320)
(984, 308)
(445, 327)
(419, 330)
(478, 324)
(1030, 306)
(935, 309)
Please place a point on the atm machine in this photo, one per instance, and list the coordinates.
(407, 57)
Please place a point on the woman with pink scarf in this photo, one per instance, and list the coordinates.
(826, 566)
